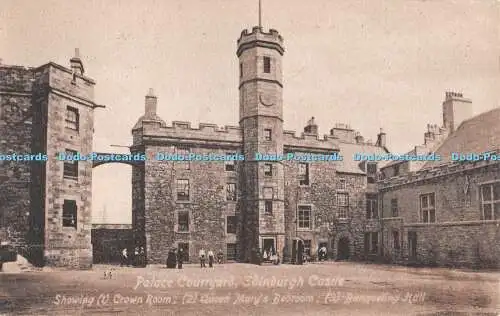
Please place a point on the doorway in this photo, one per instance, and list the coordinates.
(343, 249)
(268, 244)
(297, 251)
(412, 246)
(185, 250)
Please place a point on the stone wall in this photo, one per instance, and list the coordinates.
(468, 244)
(67, 246)
(15, 131)
(207, 206)
(321, 195)
(460, 236)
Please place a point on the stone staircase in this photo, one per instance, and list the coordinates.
(19, 266)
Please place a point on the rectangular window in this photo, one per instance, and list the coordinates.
(241, 70)
(307, 247)
(303, 173)
(268, 170)
(371, 172)
(231, 192)
(490, 201)
(304, 217)
(268, 203)
(268, 207)
(184, 152)
(428, 208)
(394, 208)
(341, 185)
(396, 170)
(182, 190)
(371, 206)
(342, 205)
(395, 239)
(231, 224)
(268, 134)
(70, 167)
(70, 214)
(183, 221)
(267, 64)
(268, 193)
(230, 164)
(371, 243)
(72, 118)
(231, 251)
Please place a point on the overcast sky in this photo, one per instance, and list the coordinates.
(368, 63)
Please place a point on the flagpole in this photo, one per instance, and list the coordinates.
(260, 14)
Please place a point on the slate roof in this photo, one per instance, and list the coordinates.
(348, 150)
(478, 134)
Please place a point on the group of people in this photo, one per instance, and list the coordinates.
(137, 258)
(270, 255)
(176, 258)
(203, 257)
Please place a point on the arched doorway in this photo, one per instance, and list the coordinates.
(343, 252)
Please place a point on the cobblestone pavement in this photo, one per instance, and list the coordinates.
(241, 289)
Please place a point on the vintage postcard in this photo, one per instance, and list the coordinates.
(259, 157)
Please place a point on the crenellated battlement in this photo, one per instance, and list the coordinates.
(205, 132)
(309, 141)
(257, 37)
(257, 33)
(435, 172)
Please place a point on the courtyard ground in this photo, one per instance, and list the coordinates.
(331, 288)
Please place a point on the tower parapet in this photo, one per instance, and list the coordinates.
(257, 37)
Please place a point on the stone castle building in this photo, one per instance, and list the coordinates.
(446, 212)
(45, 204)
(402, 212)
(252, 204)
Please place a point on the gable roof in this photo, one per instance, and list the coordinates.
(478, 134)
(348, 150)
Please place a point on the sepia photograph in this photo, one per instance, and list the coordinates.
(250, 157)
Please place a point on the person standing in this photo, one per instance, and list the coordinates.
(180, 258)
(202, 258)
(136, 259)
(220, 256)
(124, 257)
(210, 259)
(142, 256)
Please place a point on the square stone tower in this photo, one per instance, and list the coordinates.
(261, 119)
(61, 191)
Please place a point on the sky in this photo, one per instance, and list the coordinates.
(372, 64)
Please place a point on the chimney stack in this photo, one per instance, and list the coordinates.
(456, 109)
(76, 63)
(359, 139)
(381, 138)
(311, 127)
(150, 104)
